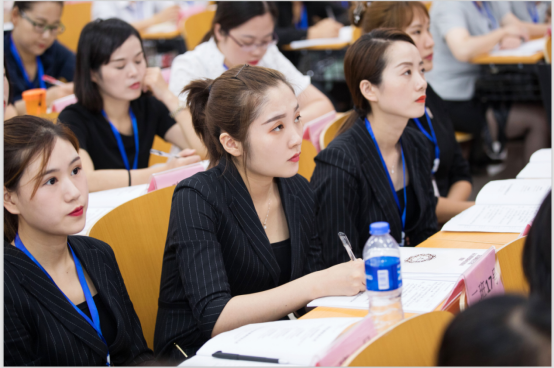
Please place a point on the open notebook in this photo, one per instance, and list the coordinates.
(300, 342)
(539, 166)
(502, 206)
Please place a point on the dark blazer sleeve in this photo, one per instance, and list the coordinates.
(337, 197)
(199, 254)
(18, 342)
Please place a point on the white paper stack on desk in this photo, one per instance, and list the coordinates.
(539, 166)
(428, 276)
(300, 342)
(502, 206)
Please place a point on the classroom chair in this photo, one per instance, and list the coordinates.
(330, 131)
(306, 165)
(137, 231)
(413, 342)
(196, 26)
(548, 50)
(510, 259)
(161, 145)
(75, 16)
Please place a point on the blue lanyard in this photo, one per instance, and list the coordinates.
(225, 67)
(40, 67)
(433, 138)
(90, 301)
(400, 211)
(303, 22)
(120, 142)
(487, 13)
(532, 9)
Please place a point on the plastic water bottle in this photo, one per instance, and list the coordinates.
(383, 277)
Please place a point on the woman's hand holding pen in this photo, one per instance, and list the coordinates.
(187, 157)
(343, 279)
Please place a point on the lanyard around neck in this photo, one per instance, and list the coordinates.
(433, 138)
(95, 323)
(485, 11)
(120, 142)
(400, 211)
(40, 67)
(532, 9)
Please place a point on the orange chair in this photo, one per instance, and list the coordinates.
(75, 17)
(307, 164)
(161, 145)
(330, 131)
(196, 26)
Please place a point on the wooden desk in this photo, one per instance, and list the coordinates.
(161, 35)
(488, 59)
(333, 46)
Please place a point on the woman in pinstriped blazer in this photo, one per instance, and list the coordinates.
(383, 70)
(45, 270)
(242, 246)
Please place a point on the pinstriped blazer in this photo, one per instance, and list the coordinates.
(352, 191)
(42, 328)
(217, 248)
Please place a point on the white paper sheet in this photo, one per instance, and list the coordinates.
(536, 170)
(115, 197)
(345, 35)
(493, 219)
(439, 264)
(418, 296)
(208, 361)
(514, 191)
(297, 342)
(542, 155)
(528, 48)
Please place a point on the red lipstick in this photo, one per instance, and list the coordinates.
(295, 158)
(135, 85)
(77, 212)
(421, 99)
(255, 62)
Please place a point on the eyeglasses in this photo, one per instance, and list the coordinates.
(253, 46)
(41, 27)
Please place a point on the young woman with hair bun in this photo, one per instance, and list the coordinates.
(377, 169)
(242, 244)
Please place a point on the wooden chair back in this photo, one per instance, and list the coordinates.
(330, 131)
(196, 26)
(510, 259)
(548, 50)
(356, 33)
(161, 145)
(307, 164)
(75, 16)
(136, 231)
(418, 337)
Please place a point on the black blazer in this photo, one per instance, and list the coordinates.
(217, 248)
(352, 191)
(453, 166)
(42, 328)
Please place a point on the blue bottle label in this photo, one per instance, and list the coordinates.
(383, 273)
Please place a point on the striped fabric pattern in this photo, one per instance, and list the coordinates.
(42, 328)
(352, 191)
(217, 248)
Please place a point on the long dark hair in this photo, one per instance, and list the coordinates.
(537, 253)
(98, 40)
(231, 14)
(230, 103)
(25, 138)
(365, 60)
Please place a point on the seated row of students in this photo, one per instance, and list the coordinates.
(243, 244)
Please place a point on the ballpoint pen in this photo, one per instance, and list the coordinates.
(163, 154)
(347, 246)
(222, 355)
(52, 80)
(181, 350)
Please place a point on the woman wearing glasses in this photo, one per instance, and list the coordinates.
(31, 51)
(243, 33)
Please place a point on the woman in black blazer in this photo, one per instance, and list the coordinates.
(242, 245)
(52, 281)
(357, 178)
(452, 176)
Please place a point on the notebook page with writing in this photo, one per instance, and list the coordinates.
(514, 191)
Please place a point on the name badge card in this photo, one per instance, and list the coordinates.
(173, 177)
(482, 279)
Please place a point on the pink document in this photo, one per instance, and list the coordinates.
(313, 128)
(173, 177)
(348, 343)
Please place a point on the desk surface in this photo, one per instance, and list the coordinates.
(442, 239)
(488, 59)
(160, 35)
(333, 46)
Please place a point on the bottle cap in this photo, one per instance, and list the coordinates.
(379, 228)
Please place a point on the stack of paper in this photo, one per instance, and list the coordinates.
(300, 342)
(428, 276)
(539, 166)
(528, 48)
(502, 206)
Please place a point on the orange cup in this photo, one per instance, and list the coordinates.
(35, 101)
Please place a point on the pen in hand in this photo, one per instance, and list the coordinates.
(163, 154)
(347, 246)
